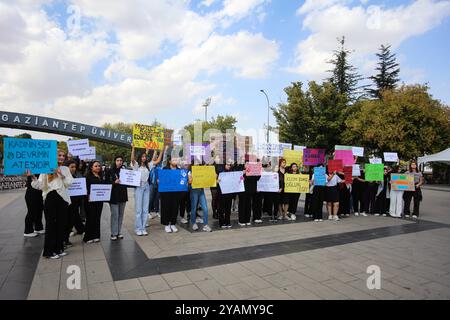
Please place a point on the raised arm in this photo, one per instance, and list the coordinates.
(132, 160)
(160, 156)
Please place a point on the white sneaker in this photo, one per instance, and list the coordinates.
(40, 231)
(183, 221)
(139, 233)
(258, 221)
(224, 227)
(242, 224)
(408, 216)
(248, 223)
(336, 218)
(174, 228)
(363, 214)
(280, 218)
(414, 216)
(168, 229)
(316, 220)
(73, 234)
(293, 217)
(347, 215)
(206, 228)
(90, 241)
(54, 257)
(377, 214)
(30, 235)
(320, 220)
(384, 215)
(356, 214)
(144, 233)
(195, 227)
(306, 215)
(63, 254)
(199, 220)
(330, 217)
(96, 240)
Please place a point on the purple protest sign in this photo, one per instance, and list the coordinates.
(313, 157)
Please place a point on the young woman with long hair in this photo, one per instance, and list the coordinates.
(119, 198)
(416, 194)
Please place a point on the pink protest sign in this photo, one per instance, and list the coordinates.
(345, 155)
(313, 157)
(253, 169)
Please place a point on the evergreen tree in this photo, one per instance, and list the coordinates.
(388, 71)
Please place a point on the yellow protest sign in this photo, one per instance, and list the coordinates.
(296, 183)
(203, 177)
(148, 137)
(293, 156)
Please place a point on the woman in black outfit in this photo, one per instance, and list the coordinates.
(283, 198)
(293, 197)
(225, 201)
(35, 206)
(317, 199)
(250, 200)
(308, 198)
(93, 209)
(74, 219)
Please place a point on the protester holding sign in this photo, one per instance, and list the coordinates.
(119, 197)
(283, 198)
(382, 201)
(153, 193)
(416, 194)
(308, 197)
(201, 177)
(318, 194)
(35, 206)
(56, 204)
(251, 199)
(344, 194)
(396, 199)
(225, 201)
(293, 197)
(94, 209)
(74, 219)
(360, 194)
(332, 195)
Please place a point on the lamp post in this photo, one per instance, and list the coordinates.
(206, 104)
(268, 113)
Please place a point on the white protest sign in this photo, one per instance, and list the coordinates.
(89, 154)
(270, 150)
(130, 177)
(356, 170)
(285, 146)
(77, 188)
(375, 160)
(231, 182)
(77, 147)
(358, 151)
(299, 148)
(100, 192)
(268, 182)
(178, 139)
(390, 157)
(197, 150)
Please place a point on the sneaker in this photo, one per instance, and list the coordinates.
(30, 235)
(356, 214)
(168, 229)
(183, 221)
(199, 220)
(229, 226)
(414, 216)
(174, 228)
(113, 238)
(195, 227)
(377, 214)
(306, 215)
(120, 236)
(363, 214)
(258, 221)
(242, 224)
(384, 215)
(336, 218)
(139, 233)
(316, 220)
(62, 254)
(206, 228)
(347, 215)
(96, 240)
(248, 223)
(147, 225)
(407, 216)
(40, 231)
(53, 257)
(320, 220)
(68, 244)
(330, 217)
(73, 234)
(280, 218)
(293, 217)
(90, 241)
(224, 227)
(144, 233)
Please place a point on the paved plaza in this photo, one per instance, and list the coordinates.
(285, 260)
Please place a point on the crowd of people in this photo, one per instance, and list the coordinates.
(67, 216)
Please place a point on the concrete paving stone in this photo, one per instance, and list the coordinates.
(348, 291)
(238, 270)
(315, 274)
(278, 280)
(97, 271)
(222, 275)
(197, 275)
(163, 295)
(213, 290)
(273, 264)
(258, 268)
(128, 285)
(102, 291)
(400, 291)
(176, 279)
(323, 291)
(189, 292)
(154, 283)
(300, 293)
(255, 282)
(242, 291)
(274, 294)
(133, 295)
(44, 287)
(380, 294)
(48, 266)
(437, 290)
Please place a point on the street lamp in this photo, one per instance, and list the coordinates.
(206, 104)
(268, 113)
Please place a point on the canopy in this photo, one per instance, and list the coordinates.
(443, 156)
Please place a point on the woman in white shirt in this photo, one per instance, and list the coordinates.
(332, 196)
(141, 193)
(56, 206)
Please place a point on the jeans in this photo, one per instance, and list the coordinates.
(117, 211)
(153, 198)
(198, 196)
(141, 203)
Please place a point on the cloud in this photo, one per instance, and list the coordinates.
(365, 28)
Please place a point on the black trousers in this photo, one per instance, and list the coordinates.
(360, 197)
(308, 204)
(318, 197)
(293, 202)
(344, 200)
(170, 206)
(224, 210)
(372, 196)
(381, 204)
(93, 218)
(408, 196)
(56, 212)
(185, 204)
(214, 201)
(35, 206)
(74, 219)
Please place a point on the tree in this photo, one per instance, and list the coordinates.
(405, 120)
(23, 136)
(312, 117)
(388, 71)
(109, 151)
(221, 123)
(344, 76)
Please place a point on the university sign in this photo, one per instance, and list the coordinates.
(68, 128)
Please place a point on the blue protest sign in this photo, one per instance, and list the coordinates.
(319, 176)
(38, 156)
(172, 180)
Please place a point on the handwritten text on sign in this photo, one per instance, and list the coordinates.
(100, 192)
(296, 183)
(253, 169)
(203, 177)
(402, 182)
(268, 182)
(148, 137)
(231, 182)
(78, 147)
(320, 178)
(38, 156)
(130, 177)
(313, 157)
(78, 187)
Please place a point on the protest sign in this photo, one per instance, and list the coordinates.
(270, 149)
(268, 182)
(320, 178)
(177, 139)
(313, 157)
(196, 151)
(89, 154)
(375, 160)
(348, 174)
(293, 156)
(402, 182)
(148, 137)
(77, 188)
(100, 192)
(172, 180)
(374, 172)
(130, 177)
(231, 182)
(296, 183)
(338, 147)
(299, 147)
(335, 165)
(356, 170)
(203, 177)
(346, 156)
(77, 147)
(284, 146)
(38, 156)
(358, 151)
(253, 169)
(390, 157)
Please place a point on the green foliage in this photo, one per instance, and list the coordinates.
(109, 151)
(388, 71)
(406, 120)
(221, 123)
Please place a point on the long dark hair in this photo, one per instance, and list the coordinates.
(292, 171)
(91, 165)
(140, 160)
(410, 169)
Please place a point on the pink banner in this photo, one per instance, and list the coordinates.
(313, 157)
(346, 156)
(253, 169)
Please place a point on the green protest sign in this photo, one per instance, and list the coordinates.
(374, 172)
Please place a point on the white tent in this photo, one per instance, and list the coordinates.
(443, 156)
